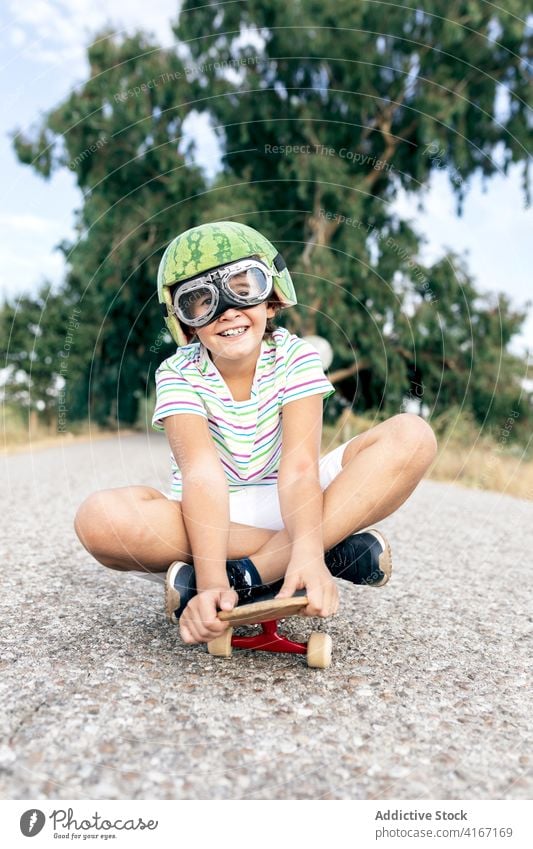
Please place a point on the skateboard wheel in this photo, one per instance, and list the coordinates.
(221, 646)
(319, 649)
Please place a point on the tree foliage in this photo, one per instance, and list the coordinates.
(34, 334)
(120, 134)
(332, 110)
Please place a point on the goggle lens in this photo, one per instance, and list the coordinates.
(196, 304)
(248, 285)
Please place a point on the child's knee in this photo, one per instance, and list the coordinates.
(109, 523)
(93, 518)
(416, 437)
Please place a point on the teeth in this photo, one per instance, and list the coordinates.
(236, 332)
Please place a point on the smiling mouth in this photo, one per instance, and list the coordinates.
(233, 332)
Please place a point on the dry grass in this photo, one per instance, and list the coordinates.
(484, 468)
(465, 457)
(20, 432)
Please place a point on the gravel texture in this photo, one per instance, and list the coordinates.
(427, 696)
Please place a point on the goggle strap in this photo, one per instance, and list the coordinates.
(279, 263)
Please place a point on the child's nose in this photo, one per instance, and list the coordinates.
(230, 313)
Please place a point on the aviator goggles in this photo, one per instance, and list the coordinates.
(242, 284)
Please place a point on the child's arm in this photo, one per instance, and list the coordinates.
(205, 511)
(301, 502)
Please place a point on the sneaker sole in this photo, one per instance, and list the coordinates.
(384, 559)
(172, 596)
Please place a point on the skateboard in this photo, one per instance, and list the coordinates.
(267, 614)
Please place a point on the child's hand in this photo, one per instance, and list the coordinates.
(199, 622)
(320, 587)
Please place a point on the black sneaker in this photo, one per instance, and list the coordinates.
(363, 558)
(180, 585)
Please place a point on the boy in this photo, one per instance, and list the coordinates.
(252, 503)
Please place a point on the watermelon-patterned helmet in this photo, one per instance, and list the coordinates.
(208, 246)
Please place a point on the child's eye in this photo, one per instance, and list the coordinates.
(201, 306)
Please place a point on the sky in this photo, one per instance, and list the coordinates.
(42, 54)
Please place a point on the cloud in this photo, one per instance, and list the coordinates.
(21, 273)
(57, 31)
(28, 224)
(27, 254)
(17, 36)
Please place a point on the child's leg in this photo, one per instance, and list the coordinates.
(381, 468)
(138, 528)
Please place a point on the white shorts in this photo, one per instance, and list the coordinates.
(258, 506)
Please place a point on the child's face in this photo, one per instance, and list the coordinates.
(249, 322)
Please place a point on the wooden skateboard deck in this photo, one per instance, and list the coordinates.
(264, 611)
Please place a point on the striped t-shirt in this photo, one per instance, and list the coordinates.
(247, 434)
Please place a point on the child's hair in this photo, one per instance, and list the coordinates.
(270, 323)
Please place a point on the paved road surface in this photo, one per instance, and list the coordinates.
(426, 698)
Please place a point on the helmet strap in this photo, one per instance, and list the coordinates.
(279, 263)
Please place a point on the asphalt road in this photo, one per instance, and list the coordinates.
(426, 698)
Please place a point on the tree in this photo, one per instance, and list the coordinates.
(30, 349)
(120, 134)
